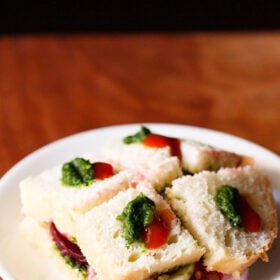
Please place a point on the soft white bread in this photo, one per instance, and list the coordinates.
(38, 235)
(159, 167)
(99, 235)
(197, 156)
(45, 198)
(229, 250)
(155, 165)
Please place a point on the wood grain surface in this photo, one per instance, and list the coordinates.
(52, 86)
(55, 85)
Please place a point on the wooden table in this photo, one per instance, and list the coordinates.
(53, 86)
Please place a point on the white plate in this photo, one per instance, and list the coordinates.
(19, 261)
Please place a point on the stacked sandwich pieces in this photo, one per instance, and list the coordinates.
(154, 207)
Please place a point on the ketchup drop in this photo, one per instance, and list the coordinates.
(156, 234)
(250, 218)
(102, 170)
(159, 141)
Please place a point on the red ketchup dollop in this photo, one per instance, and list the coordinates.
(66, 247)
(251, 221)
(102, 170)
(156, 234)
(159, 141)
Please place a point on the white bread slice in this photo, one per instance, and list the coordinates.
(229, 250)
(38, 235)
(155, 165)
(159, 167)
(45, 199)
(197, 156)
(99, 235)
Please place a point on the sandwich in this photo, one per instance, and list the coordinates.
(63, 192)
(141, 239)
(59, 247)
(174, 212)
(155, 163)
(161, 159)
(230, 212)
(52, 201)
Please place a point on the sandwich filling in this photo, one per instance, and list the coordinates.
(70, 251)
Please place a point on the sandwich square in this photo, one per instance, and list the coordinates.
(228, 249)
(197, 156)
(161, 159)
(45, 198)
(155, 165)
(101, 240)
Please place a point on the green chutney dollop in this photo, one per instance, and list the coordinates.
(136, 215)
(77, 172)
(137, 137)
(227, 200)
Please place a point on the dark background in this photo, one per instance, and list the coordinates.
(123, 16)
